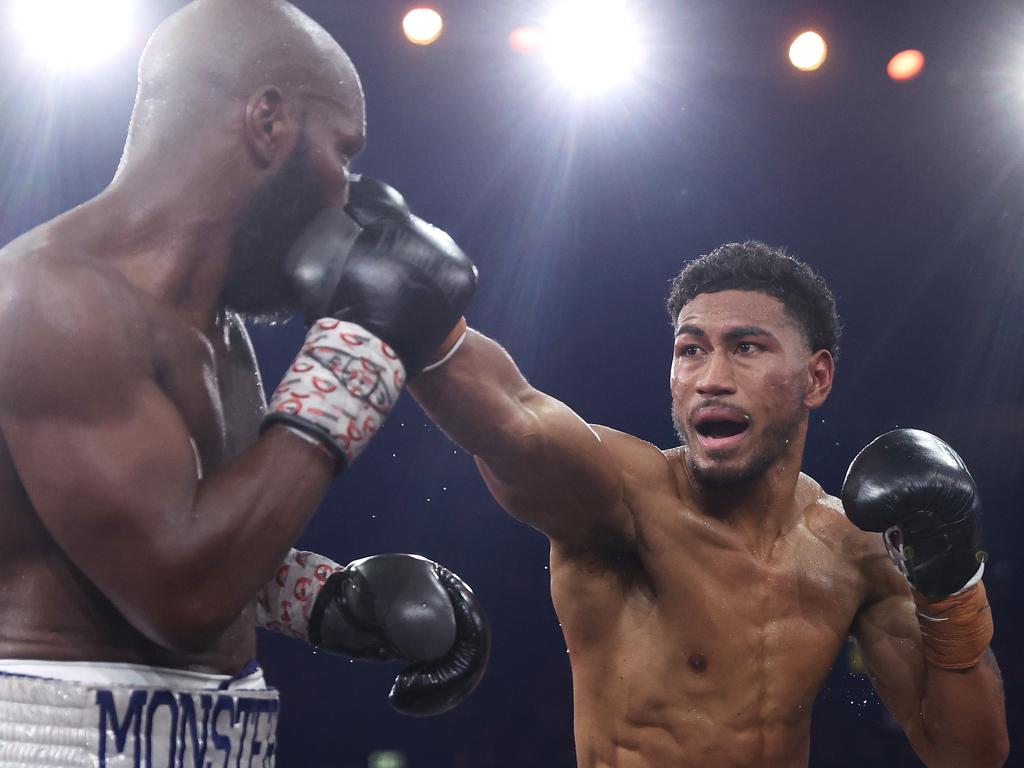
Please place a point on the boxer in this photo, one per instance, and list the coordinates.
(148, 493)
(704, 591)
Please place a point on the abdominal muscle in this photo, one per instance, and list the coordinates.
(651, 734)
(694, 673)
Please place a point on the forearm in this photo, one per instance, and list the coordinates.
(244, 518)
(963, 717)
(478, 397)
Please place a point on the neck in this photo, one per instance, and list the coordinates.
(168, 233)
(761, 509)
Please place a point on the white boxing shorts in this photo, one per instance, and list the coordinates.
(93, 715)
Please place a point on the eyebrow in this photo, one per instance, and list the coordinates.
(743, 331)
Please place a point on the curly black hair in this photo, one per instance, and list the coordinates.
(754, 266)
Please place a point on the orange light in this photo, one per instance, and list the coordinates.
(526, 39)
(905, 65)
(808, 51)
(422, 26)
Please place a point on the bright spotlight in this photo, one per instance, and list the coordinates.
(808, 51)
(422, 26)
(72, 34)
(526, 39)
(593, 44)
(905, 65)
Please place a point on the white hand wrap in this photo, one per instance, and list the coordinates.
(340, 388)
(285, 601)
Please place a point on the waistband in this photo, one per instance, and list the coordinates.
(116, 673)
(74, 724)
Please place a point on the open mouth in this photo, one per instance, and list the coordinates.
(720, 427)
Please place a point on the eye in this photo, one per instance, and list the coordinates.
(748, 347)
(688, 350)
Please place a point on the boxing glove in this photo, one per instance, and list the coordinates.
(914, 488)
(409, 608)
(385, 289)
(380, 267)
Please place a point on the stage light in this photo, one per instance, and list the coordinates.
(72, 34)
(422, 26)
(593, 45)
(526, 39)
(905, 65)
(808, 51)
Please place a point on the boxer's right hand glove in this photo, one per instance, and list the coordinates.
(388, 288)
(406, 607)
(377, 265)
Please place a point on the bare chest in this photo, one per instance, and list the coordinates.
(708, 629)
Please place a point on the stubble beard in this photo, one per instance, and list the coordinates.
(774, 443)
(256, 286)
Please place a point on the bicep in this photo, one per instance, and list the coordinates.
(101, 451)
(116, 473)
(564, 477)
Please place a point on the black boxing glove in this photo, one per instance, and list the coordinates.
(912, 487)
(383, 289)
(409, 608)
(377, 265)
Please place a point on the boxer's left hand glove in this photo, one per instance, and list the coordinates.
(409, 608)
(915, 490)
(911, 482)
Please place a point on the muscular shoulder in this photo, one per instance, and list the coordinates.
(863, 551)
(826, 518)
(65, 318)
(643, 464)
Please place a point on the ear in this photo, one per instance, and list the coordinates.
(269, 129)
(821, 369)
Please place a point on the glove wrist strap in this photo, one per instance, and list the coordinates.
(449, 347)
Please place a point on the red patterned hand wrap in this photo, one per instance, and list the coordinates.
(285, 601)
(340, 388)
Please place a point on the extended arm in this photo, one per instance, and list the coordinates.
(542, 462)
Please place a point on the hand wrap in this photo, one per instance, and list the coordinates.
(957, 629)
(341, 387)
(284, 603)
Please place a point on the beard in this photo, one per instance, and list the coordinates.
(774, 442)
(256, 286)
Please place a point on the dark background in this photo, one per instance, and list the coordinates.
(907, 197)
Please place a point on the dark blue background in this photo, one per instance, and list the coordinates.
(909, 198)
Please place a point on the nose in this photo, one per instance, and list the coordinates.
(716, 376)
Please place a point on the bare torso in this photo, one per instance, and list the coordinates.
(51, 611)
(688, 649)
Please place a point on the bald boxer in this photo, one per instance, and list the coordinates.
(704, 591)
(146, 500)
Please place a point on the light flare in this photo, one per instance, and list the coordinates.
(593, 45)
(808, 51)
(422, 26)
(73, 34)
